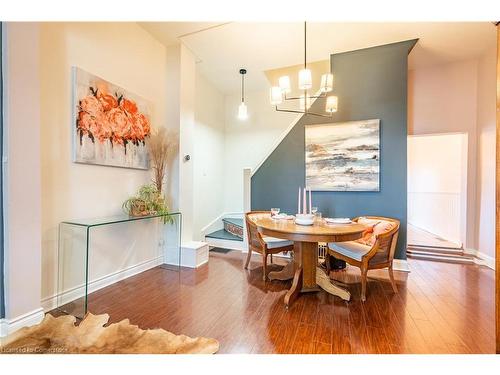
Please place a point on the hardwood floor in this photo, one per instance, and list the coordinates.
(440, 308)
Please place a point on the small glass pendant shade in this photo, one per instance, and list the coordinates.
(331, 104)
(284, 83)
(305, 79)
(242, 111)
(326, 82)
(305, 103)
(276, 95)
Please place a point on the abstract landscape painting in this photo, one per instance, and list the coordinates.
(110, 124)
(343, 156)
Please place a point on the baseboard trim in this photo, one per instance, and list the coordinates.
(481, 258)
(50, 303)
(8, 326)
(400, 265)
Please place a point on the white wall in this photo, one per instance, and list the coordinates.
(443, 99)
(22, 170)
(208, 156)
(128, 56)
(436, 169)
(486, 125)
(249, 142)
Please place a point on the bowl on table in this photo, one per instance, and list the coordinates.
(304, 219)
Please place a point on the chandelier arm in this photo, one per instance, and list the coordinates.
(302, 112)
(322, 95)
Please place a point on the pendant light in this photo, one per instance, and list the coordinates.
(242, 109)
(278, 94)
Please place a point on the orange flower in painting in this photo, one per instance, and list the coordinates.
(137, 134)
(142, 122)
(85, 122)
(91, 105)
(120, 124)
(103, 116)
(108, 102)
(129, 106)
(102, 130)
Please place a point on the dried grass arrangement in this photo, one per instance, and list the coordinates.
(162, 144)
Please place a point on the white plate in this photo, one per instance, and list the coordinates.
(279, 216)
(338, 220)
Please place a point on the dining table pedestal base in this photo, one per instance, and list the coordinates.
(328, 286)
(286, 273)
(307, 276)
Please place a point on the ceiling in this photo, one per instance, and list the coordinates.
(223, 48)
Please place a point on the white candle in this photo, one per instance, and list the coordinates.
(310, 201)
(304, 204)
(298, 203)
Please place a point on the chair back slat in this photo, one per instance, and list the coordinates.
(253, 235)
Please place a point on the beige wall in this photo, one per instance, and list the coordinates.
(248, 143)
(22, 170)
(443, 99)
(128, 56)
(486, 130)
(460, 97)
(208, 154)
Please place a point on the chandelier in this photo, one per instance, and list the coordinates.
(279, 94)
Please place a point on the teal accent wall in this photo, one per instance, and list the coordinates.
(371, 84)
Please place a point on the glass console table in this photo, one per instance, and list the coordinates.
(128, 246)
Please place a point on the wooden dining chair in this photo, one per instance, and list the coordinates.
(262, 244)
(374, 251)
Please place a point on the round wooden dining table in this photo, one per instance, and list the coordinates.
(307, 276)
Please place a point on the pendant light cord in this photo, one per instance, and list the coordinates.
(305, 45)
(305, 64)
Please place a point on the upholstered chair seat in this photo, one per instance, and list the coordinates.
(273, 243)
(351, 249)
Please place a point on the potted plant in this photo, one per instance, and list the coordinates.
(147, 201)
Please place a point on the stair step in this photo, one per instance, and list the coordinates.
(442, 258)
(233, 220)
(224, 235)
(445, 255)
(435, 250)
(233, 226)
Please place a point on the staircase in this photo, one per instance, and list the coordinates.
(229, 237)
(439, 254)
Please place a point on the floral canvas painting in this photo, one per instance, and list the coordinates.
(343, 156)
(111, 125)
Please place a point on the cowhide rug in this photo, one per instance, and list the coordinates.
(61, 335)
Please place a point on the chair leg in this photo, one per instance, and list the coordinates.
(327, 263)
(271, 258)
(264, 266)
(249, 255)
(393, 283)
(364, 276)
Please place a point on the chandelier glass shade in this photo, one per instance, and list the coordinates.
(279, 94)
(242, 108)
